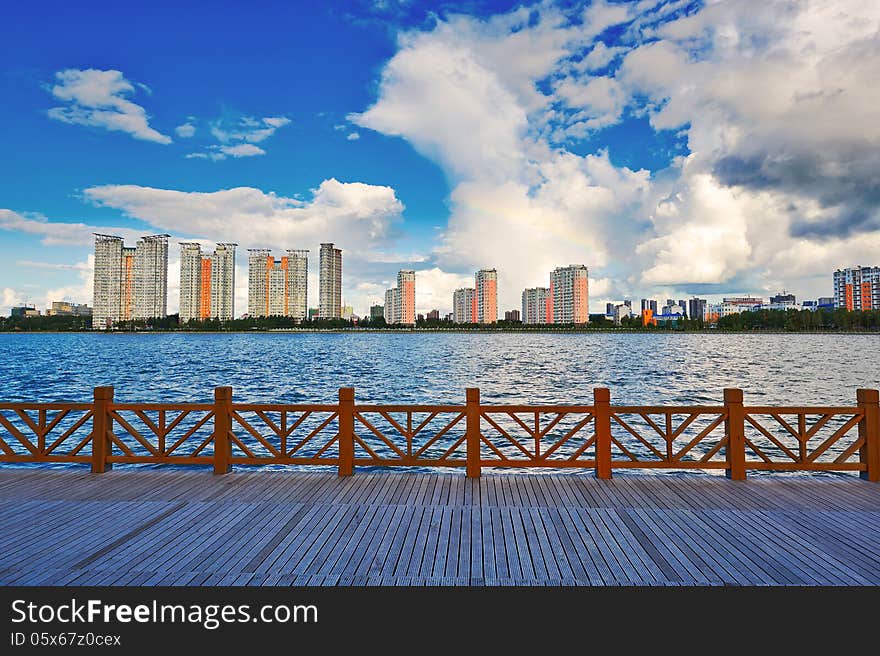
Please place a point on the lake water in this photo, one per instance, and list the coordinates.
(403, 368)
(436, 368)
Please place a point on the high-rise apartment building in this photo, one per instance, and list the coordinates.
(405, 307)
(129, 283)
(696, 308)
(569, 289)
(537, 305)
(486, 285)
(433, 315)
(390, 303)
(278, 287)
(402, 299)
(857, 288)
(330, 282)
(207, 282)
(512, 315)
(151, 277)
(464, 305)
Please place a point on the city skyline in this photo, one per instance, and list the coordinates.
(589, 146)
(133, 283)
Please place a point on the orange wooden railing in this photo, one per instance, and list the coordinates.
(346, 434)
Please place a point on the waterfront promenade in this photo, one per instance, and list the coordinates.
(258, 527)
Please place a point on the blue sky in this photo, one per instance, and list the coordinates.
(670, 146)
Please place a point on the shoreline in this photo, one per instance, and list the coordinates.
(460, 331)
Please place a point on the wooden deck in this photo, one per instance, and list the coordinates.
(139, 527)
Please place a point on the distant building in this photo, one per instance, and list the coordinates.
(207, 282)
(464, 305)
(402, 299)
(390, 302)
(420, 318)
(648, 304)
(377, 312)
(697, 308)
(486, 286)
(314, 313)
(729, 306)
(129, 283)
(537, 306)
(433, 315)
(857, 288)
(783, 299)
(609, 309)
(348, 312)
(684, 306)
(449, 317)
(825, 302)
(67, 309)
(511, 315)
(24, 311)
(569, 290)
(277, 287)
(330, 282)
(620, 312)
(405, 307)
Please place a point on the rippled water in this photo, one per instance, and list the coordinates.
(402, 368)
(436, 368)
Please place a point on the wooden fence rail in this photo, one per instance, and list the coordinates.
(346, 435)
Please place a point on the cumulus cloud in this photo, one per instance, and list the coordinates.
(518, 204)
(776, 101)
(353, 136)
(358, 217)
(100, 99)
(55, 233)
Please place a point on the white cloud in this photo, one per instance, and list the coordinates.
(599, 57)
(98, 98)
(601, 101)
(237, 139)
(186, 130)
(248, 129)
(219, 153)
(353, 136)
(517, 204)
(434, 288)
(55, 233)
(79, 291)
(12, 298)
(358, 217)
(777, 101)
(51, 265)
(242, 150)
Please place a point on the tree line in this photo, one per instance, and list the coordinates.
(762, 320)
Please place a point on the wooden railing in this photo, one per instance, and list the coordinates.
(345, 435)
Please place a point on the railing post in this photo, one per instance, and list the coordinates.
(602, 417)
(869, 432)
(222, 429)
(735, 427)
(102, 424)
(472, 431)
(346, 431)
